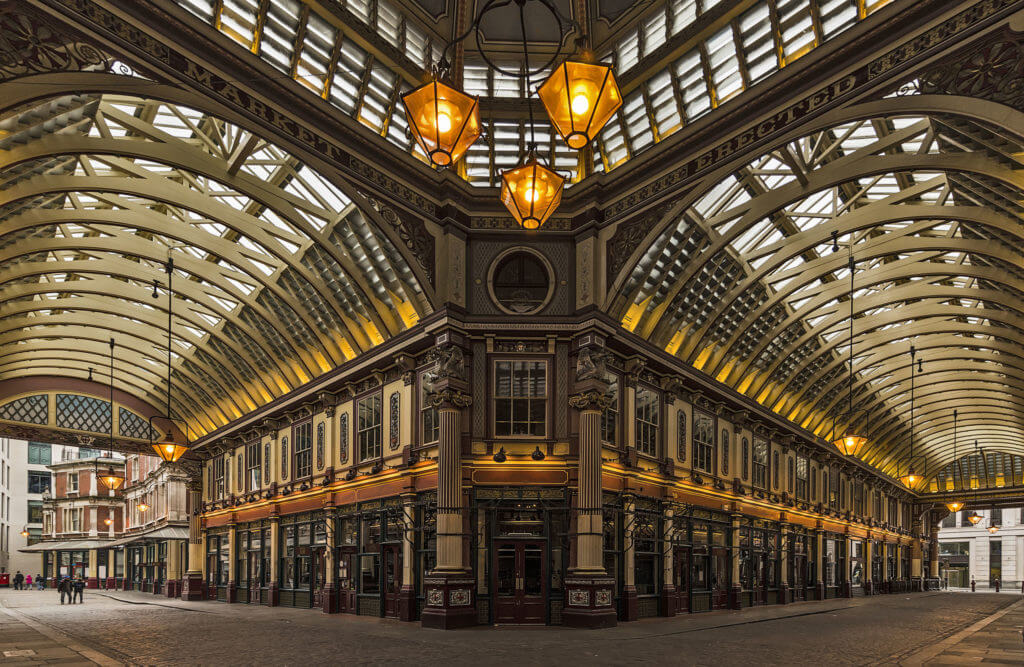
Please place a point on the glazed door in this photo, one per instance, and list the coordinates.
(391, 556)
(760, 582)
(319, 575)
(719, 578)
(346, 580)
(681, 573)
(520, 583)
(799, 575)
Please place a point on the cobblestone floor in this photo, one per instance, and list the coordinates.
(888, 629)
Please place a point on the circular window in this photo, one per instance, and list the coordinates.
(520, 281)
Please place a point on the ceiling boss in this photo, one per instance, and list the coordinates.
(579, 97)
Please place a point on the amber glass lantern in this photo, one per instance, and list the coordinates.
(142, 507)
(169, 450)
(850, 442)
(444, 121)
(531, 193)
(108, 521)
(993, 530)
(580, 98)
(954, 506)
(974, 518)
(910, 479)
(111, 479)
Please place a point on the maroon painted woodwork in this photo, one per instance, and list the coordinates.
(589, 602)
(630, 604)
(232, 592)
(450, 601)
(519, 575)
(328, 600)
(720, 571)
(345, 582)
(92, 582)
(391, 561)
(407, 603)
(192, 586)
(681, 574)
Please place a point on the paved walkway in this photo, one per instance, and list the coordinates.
(137, 628)
(24, 641)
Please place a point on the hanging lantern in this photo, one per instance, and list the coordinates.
(445, 121)
(580, 98)
(910, 479)
(954, 506)
(169, 450)
(108, 521)
(531, 193)
(24, 532)
(993, 530)
(974, 518)
(142, 506)
(111, 479)
(850, 443)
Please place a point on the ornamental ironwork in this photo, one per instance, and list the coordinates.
(394, 404)
(284, 457)
(343, 437)
(30, 409)
(266, 463)
(83, 413)
(321, 437)
(681, 435)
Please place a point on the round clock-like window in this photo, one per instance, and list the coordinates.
(520, 281)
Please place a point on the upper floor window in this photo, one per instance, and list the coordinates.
(368, 427)
(834, 489)
(760, 463)
(703, 442)
(39, 482)
(648, 419)
(520, 398)
(429, 424)
(218, 477)
(39, 453)
(858, 498)
(73, 520)
(302, 449)
(72, 482)
(252, 465)
(610, 415)
(801, 477)
(775, 470)
(790, 477)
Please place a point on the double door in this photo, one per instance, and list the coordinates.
(720, 571)
(391, 557)
(799, 577)
(520, 582)
(681, 574)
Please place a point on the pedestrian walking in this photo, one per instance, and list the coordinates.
(997, 585)
(79, 591)
(40, 581)
(19, 579)
(64, 586)
(28, 583)
(973, 583)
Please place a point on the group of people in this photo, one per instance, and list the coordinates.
(72, 590)
(24, 583)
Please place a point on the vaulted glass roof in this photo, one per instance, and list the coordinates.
(750, 282)
(279, 276)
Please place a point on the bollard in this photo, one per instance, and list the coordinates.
(973, 584)
(997, 585)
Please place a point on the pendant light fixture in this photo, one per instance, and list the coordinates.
(974, 517)
(954, 506)
(852, 440)
(579, 96)
(911, 478)
(111, 478)
(993, 529)
(169, 449)
(142, 506)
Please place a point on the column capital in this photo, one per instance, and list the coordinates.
(590, 399)
(450, 398)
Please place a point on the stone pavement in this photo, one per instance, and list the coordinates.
(997, 639)
(140, 628)
(26, 642)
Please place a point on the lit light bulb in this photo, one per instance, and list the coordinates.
(169, 448)
(108, 521)
(531, 194)
(580, 104)
(444, 123)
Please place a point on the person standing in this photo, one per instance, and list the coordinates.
(40, 581)
(28, 583)
(19, 579)
(79, 591)
(64, 587)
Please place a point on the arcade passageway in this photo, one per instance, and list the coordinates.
(938, 628)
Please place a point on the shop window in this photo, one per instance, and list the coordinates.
(648, 418)
(368, 433)
(520, 398)
(760, 463)
(429, 423)
(369, 558)
(647, 561)
(38, 482)
(302, 449)
(252, 462)
(703, 442)
(610, 415)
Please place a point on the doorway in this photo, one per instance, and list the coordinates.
(392, 557)
(519, 582)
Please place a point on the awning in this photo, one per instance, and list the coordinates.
(71, 545)
(164, 533)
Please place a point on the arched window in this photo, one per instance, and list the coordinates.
(725, 453)
(775, 470)
(744, 471)
(791, 476)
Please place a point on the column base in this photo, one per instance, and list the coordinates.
(819, 590)
(588, 601)
(735, 593)
(783, 593)
(630, 604)
(407, 604)
(450, 601)
(192, 586)
(669, 601)
(92, 582)
(232, 595)
(273, 595)
(328, 599)
(172, 588)
(847, 589)
(869, 588)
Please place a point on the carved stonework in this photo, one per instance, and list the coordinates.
(451, 364)
(449, 398)
(627, 238)
(321, 437)
(343, 437)
(507, 222)
(591, 365)
(992, 68)
(394, 422)
(525, 346)
(590, 400)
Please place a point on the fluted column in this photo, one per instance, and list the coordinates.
(232, 562)
(450, 588)
(916, 556)
(329, 595)
(192, 582)
(588, 586)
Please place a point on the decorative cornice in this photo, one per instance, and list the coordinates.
(449, 398)
(590, 400)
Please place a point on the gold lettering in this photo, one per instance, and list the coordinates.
(843, 86)
(765, 128)
(817, 99)
(197, 73)
(744, 139)
(232, 94)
